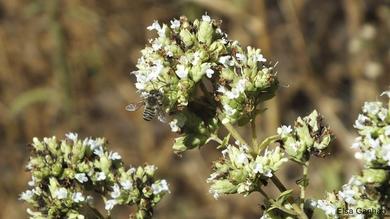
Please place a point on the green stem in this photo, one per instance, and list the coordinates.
(235, 133)
(282, 188)
(266, 142)
(303, 185)
(216, 138)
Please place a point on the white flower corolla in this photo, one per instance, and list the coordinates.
(150, 168)
(386, 153)
(181, 71)
(369, 155)
(116, 191)
(155, 70)
(347, 194)
(160, 187)
(386, 93)
(27, 195)
(206, 18)
(226, 61)
(114, 156)
(241, 57)
(360, 122)
(229, 110)
(81, 177)
(327, 207)
(357, 143)
(78, 197)
(283, 131)
(382, 114)
(175, 24)
(260, 58)
(196, 59)
(99, 151)
(61, 193)
(126, 184)
(100, 176)
(372, 107)
(174, 126)
(71, 136)
(110, 204)
(32, 181)
(209, 72)
(374, 143)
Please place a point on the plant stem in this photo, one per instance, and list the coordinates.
(263, 193)
(254, 135)
(282, 188)
(304, 183)
(278, 183)
(235, 133)
(96, 212)
(216, 138)
(265, 142)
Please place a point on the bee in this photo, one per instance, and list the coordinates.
(153, 102)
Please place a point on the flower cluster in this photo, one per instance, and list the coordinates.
(67, 173)
(309, 136)
(370, 189)
(240, 172)
(204, 78)
(373, 125)
(357, 198)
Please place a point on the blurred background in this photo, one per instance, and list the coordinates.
(65, 66)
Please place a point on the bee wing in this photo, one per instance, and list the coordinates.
(134, 106)
(162, 117)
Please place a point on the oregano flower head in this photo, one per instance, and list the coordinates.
(67, 174)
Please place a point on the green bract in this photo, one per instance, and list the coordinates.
(66, 172)
(309, 136)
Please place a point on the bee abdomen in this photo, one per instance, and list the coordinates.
(149, 114)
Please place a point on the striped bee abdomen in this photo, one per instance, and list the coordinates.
(149, 114)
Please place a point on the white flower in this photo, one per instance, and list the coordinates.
(116, 192)
(154, 26)
(72, 136)
(229, 110)
(260, 58)
(241, 57)
(78, 197)
(357, 143)
(360, 122)
(110, 204)
(32, 181)
(175, 24)
(206, 18)
(81, 177)
(114, 156)
(386, 93)
(327, 207)
(100, 176)
(242, 159)
(127, 184)
(369, 155)
(240, 86)
(283, 131)
(373, 143)
(174, 126)
(386, 152)
(387, 130)
(61, 193)
(383, 114)
(226, 61)
(214, 193)
(159, 187)
(221, 89)
(99, 151)
(196, 58)
(209, 72)
(27, 195)
(348, 194)
(181, 71)
(372, 107)
(258, 168)
(150, 168)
